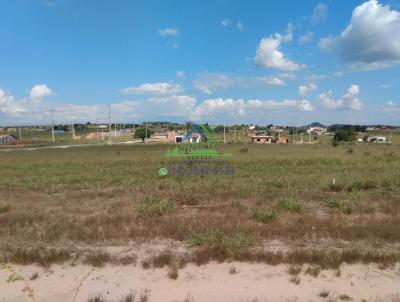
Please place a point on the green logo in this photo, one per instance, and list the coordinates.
(199, 142)
(163, 171)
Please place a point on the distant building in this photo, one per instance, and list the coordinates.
(376, 139)
(263, 139)
(316, 130)
(7, 140)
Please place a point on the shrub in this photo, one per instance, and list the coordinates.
(324, 293)
(292, 206)
(313, 270)
(345, 135)
(155, 207)
(345, 297)
(4, 208)
(265, 216)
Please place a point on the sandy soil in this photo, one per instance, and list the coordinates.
(211, 282)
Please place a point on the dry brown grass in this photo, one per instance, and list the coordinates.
(114, 195)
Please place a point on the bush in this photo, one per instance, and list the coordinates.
(155, 207)
(345, 135)
(140, 133)
(265, 216)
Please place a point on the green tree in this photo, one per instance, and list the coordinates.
(140, 133)
(345, 135)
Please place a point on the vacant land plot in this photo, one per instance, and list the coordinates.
(309, 207)
(54, 201)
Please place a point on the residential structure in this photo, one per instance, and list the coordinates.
(7, 140)
(316, 130)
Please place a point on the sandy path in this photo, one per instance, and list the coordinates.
(211, 282)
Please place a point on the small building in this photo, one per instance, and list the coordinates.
(376, 139)
(263, 139)
(7, 140)
(316, 130)
(282, 140)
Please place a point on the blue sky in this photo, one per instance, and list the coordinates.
(280, 62)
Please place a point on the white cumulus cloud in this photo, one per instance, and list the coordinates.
(223, 109)
(306, 89)
(40, 91)
(269, 55)
(370, 41)
(271, 81)
(305, 105)
(154, 89)
(349, 101)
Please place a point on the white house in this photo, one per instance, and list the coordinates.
(316, 130)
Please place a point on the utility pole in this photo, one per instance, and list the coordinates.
(146, 133)
(97, 126)
(115, 131)
(109, 124)
(19, 130)
(73, 131)
(309, 137)
(224, 135)
(52, 124)
(293, 134)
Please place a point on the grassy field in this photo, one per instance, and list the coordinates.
(281, 204)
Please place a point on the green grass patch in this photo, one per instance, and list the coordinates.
(155, 207)
(265, 216)
(293, 206)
